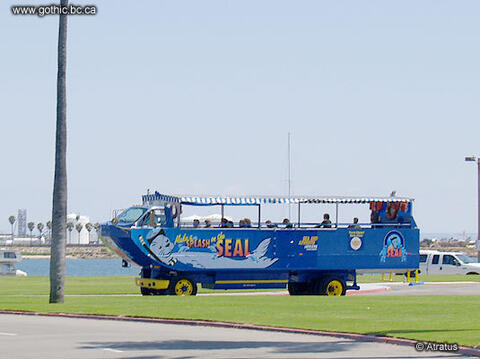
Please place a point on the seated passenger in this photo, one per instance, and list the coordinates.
(196, 223)
(247, 222)
(269, 224)
(355, 223)
(241, 223)
(287, 223)
(208, 223)
(374, 218)
(326, 223)
(223, 223)
(229, 224)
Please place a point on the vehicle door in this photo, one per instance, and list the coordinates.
(450, 264)
(423, 263)
(153, 218)
(434, 266)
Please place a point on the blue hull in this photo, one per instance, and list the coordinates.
(267, 250)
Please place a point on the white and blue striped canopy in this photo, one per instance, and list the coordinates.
(257, 200)
(159, 198)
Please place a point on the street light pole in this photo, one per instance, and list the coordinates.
(477, 160)
(478, 210)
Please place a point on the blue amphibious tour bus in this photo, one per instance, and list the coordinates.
(307, 258)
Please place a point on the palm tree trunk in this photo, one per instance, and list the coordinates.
(59, 211)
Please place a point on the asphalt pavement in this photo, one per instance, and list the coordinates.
(27, 336)
(429, 288)
(385, 288)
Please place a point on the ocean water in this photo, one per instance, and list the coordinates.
(79, 267)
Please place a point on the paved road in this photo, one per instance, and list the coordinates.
(388, 288)
(432, 288)
(52, 338)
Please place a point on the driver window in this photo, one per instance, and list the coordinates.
(448, 259)
(154, 218)
(148, 220)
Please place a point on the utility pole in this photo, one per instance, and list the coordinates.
(289, 181)
(477, 160)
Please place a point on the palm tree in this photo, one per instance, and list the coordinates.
(40, 229)
(49, 226)
(79, 228)
(59, 211)
(70, 226)
(31, 227)
(89, 228)
(12, 220)
(97, 229)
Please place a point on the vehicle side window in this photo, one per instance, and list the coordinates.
(146, 219)
(423, 258)
(448, 259)
(158, 218)
(435, 259)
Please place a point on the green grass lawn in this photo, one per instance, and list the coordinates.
(73, 285)
(126, 285)
(436, 318)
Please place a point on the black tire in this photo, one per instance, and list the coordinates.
(146, 291)
(303, 288)
(311, 288)
(182, 287)
(294, 288)
(159, 291)
(331, 286)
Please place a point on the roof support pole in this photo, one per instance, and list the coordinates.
(298, 214)
(336, 215)
(179, 213)
(222, 211)
(259, 216)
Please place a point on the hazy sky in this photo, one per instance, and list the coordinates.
(198, 97)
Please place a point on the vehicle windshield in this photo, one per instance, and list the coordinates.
(465, 259)
(131, 214)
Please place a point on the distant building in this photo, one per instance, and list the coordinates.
(22, 223)
(82, 237)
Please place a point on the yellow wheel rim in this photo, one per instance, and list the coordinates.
(335, 288)
(184, 287)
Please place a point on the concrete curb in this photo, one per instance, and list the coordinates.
(352, 336)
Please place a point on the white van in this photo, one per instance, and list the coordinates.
(436, 262)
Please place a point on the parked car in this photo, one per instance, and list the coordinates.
(436, 262)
